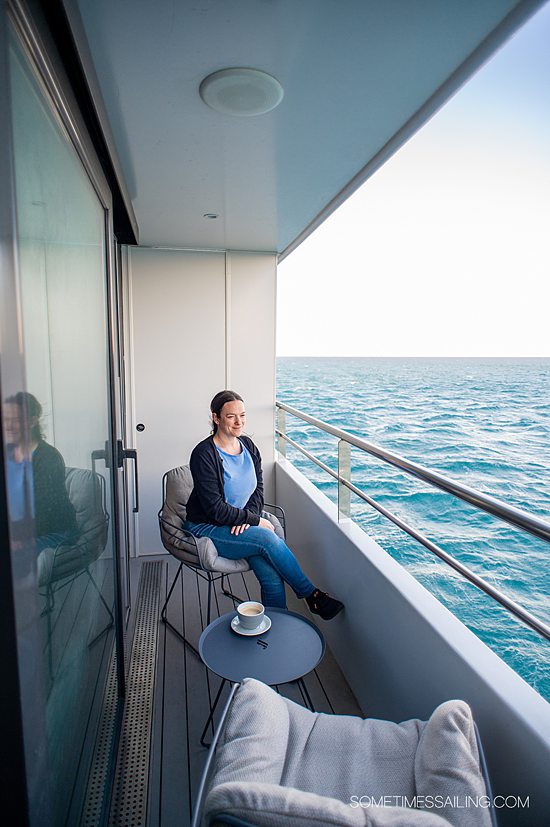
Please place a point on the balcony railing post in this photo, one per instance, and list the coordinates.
(344, 471)
(281, 426)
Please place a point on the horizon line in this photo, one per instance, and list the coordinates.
(408, 356)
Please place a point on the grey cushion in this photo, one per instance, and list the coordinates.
(275, 522)
(447, 762)
(195, 551)
(271, 741)
(269, 805)
(70, 558)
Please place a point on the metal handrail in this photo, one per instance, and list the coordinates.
(522, 614)
(508, 513)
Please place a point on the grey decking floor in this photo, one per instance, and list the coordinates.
(183, 687)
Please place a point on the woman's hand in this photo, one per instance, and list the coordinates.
(238, 529)
(266, 524)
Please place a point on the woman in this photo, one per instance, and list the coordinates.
(226, 505)
(54, 515)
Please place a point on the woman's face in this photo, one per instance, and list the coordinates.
(231, 420)
(13, 423)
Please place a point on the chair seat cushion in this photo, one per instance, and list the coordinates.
(81, 547)
(64, 561)
(179, 484)
(200, 551)
(269, 739)
(269, 805)
(212, 561)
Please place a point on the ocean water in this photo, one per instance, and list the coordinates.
(484, 422)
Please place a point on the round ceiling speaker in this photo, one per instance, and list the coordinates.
(241, 91)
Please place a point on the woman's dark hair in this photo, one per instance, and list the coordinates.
(219, 401)
(31, 408)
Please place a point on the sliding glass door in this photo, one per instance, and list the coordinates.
(61, 483)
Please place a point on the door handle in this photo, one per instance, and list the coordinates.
(129, 453)
(101, 453)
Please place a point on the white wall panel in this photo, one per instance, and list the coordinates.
(252, 277)
(199, 322)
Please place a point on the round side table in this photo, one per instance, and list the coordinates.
(291, 648)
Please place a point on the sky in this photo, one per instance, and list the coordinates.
(445, 250)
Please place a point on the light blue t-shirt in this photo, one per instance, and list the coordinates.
(18, 474)
(239, 476)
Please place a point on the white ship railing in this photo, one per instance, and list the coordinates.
(509, 513)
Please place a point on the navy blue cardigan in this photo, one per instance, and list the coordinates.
(207, 503)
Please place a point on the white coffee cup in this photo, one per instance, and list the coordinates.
(251, 614)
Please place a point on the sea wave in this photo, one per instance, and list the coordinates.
(483, 422)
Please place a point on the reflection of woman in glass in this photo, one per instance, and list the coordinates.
(53, 513)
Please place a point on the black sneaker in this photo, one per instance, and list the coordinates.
(322, 604)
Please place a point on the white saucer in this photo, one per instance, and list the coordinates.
(259, 630)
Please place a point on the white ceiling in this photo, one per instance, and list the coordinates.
(354, 72)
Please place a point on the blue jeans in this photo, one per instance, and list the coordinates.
(55, 539)
(269, 557)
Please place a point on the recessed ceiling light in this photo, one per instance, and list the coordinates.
(241, 91)
(210, 215)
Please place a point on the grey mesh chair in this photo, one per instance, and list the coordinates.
(198, 554)
(60, 565)
(273, 763)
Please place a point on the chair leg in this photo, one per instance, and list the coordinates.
(164, 610)
(209, 607)
(48, 613)
(229, 593)
(112, 619)
(211, 716)
(305, 694)
(50, 601)
(96, 587)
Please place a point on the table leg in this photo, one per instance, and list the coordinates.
(305, 694)
(211, 716)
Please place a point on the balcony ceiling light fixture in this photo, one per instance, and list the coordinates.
(241, 91)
